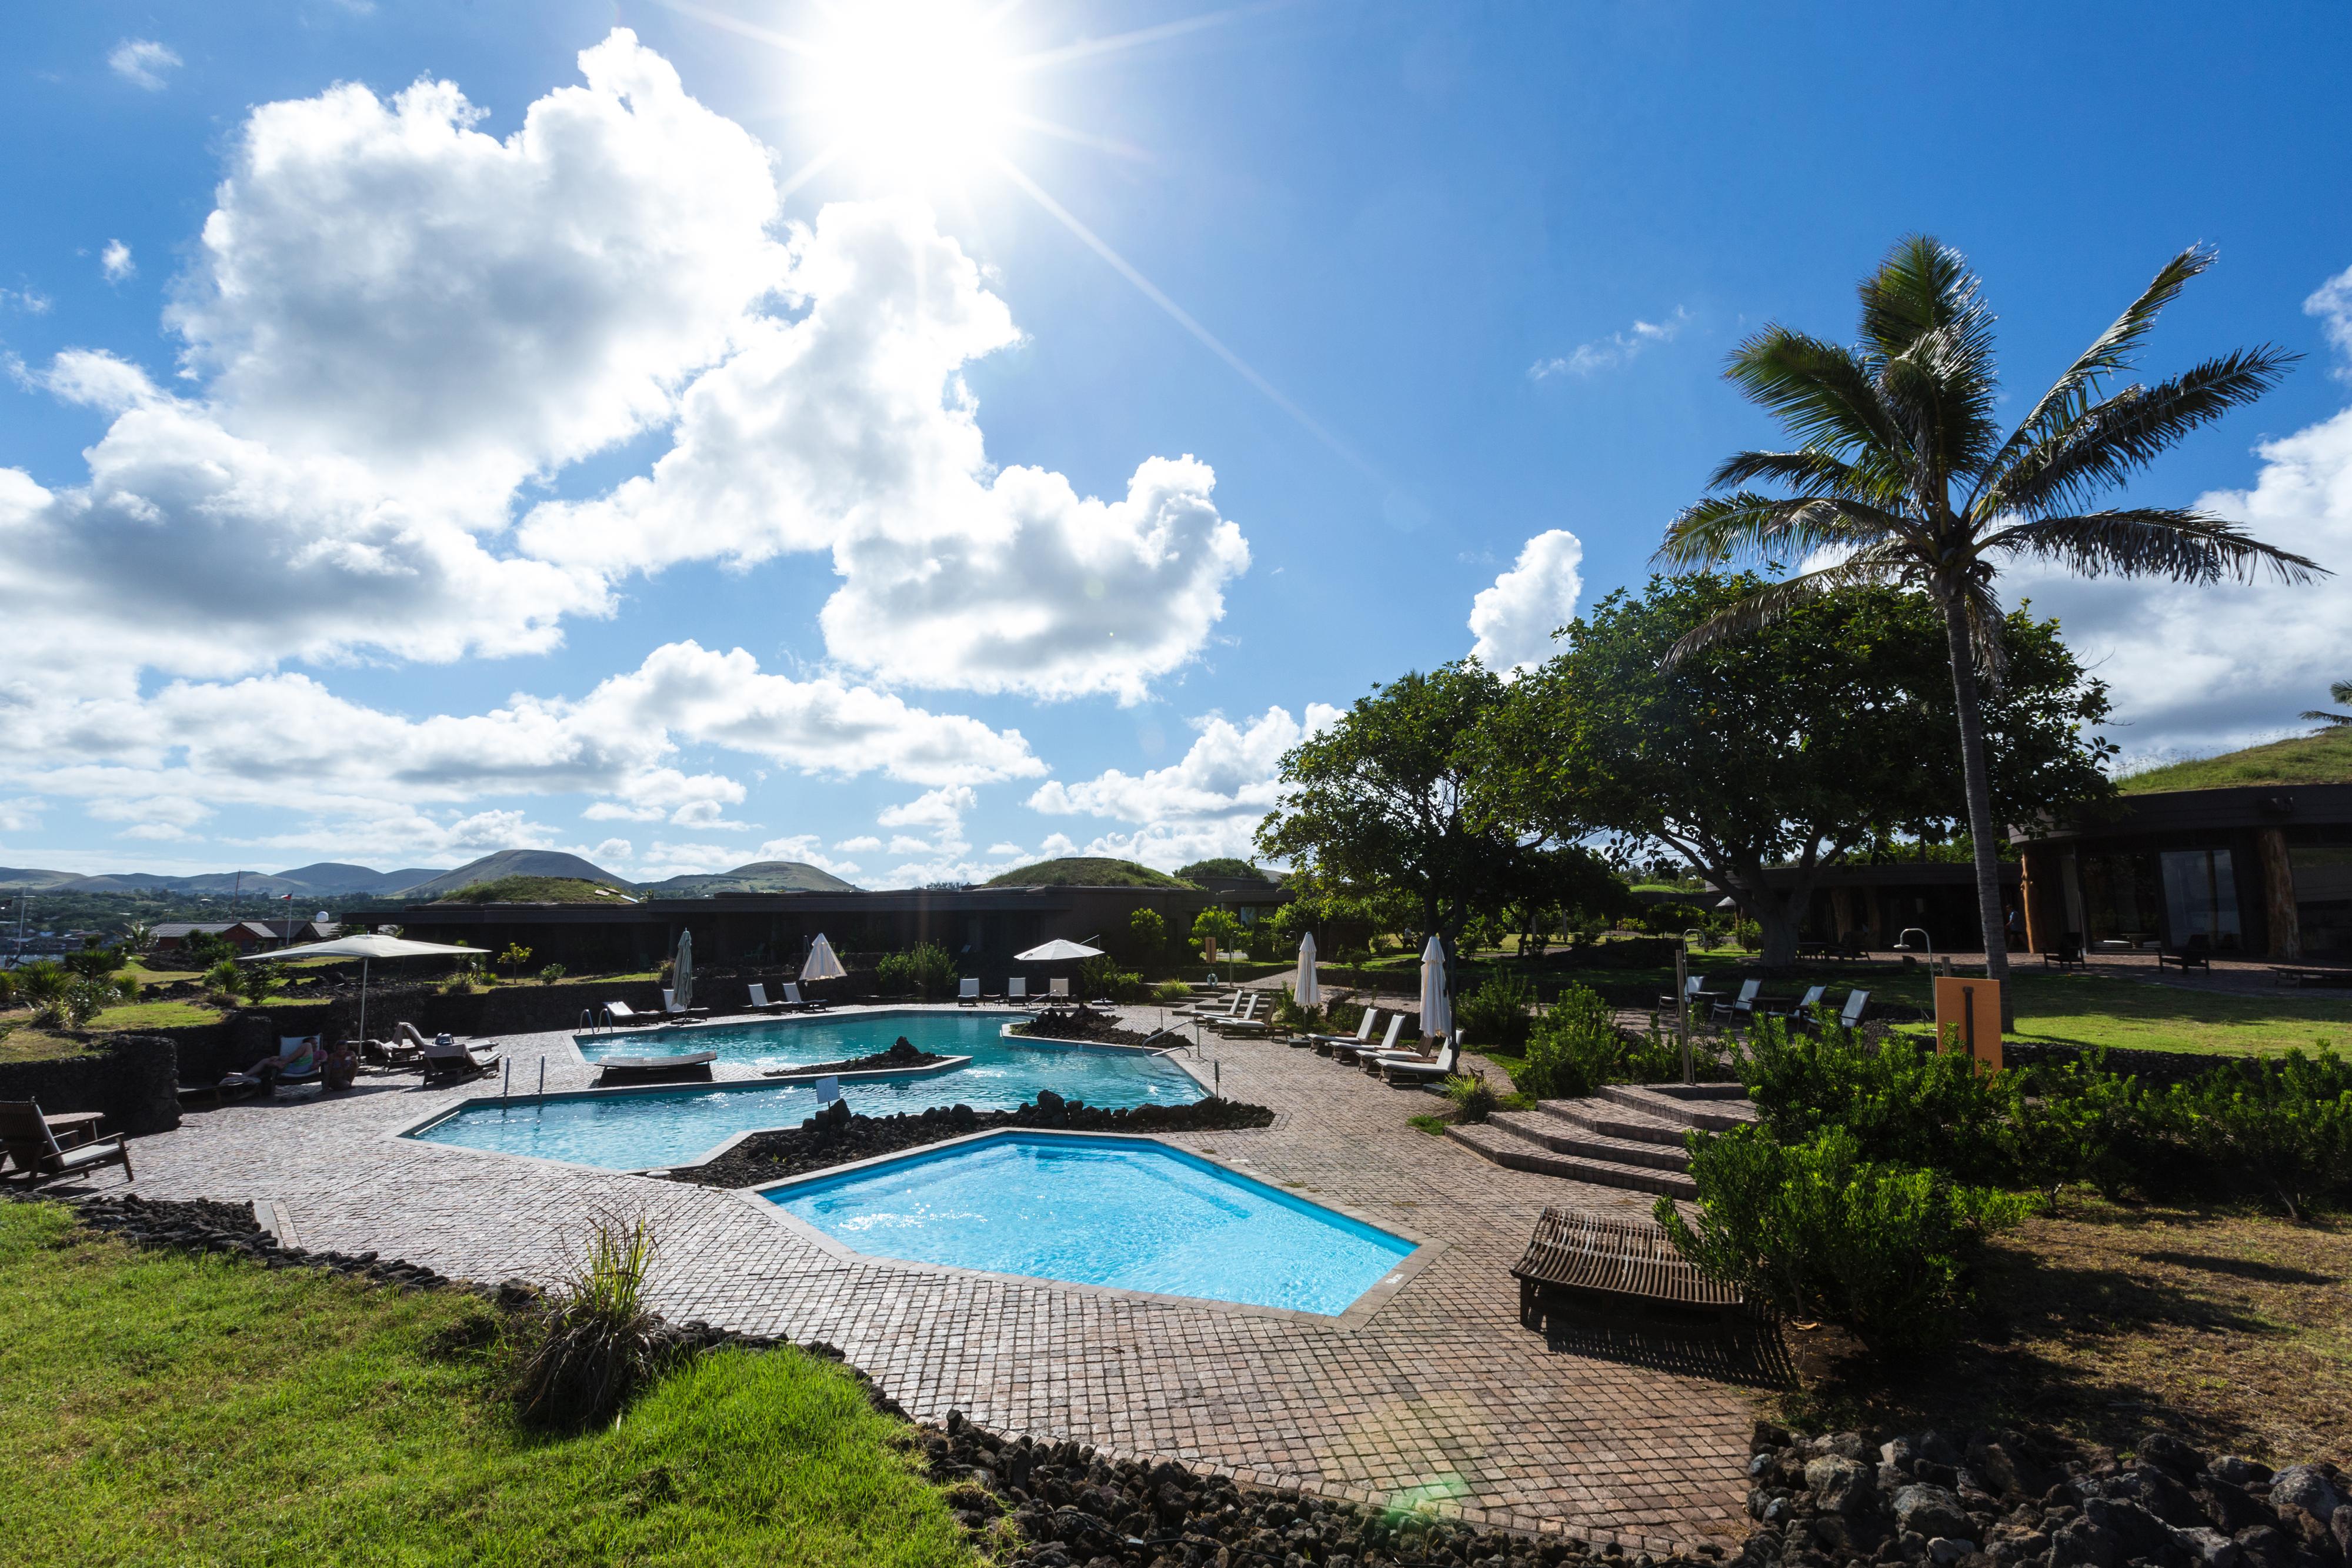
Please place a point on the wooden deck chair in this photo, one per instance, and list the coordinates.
(32, 1146)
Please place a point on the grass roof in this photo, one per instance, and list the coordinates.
(1085, 871)
(536, 890)
(2322, 758)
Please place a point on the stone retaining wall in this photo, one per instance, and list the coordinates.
(133, 1080)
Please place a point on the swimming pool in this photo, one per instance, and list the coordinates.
(1123, 1212)
(766, 1043)
(640, 1129)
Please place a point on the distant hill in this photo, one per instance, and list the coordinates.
(363, 881)
(26, 876)
(759, 876)
(514, 863)
(536, 890)
(1085, 871)
(2322, 758)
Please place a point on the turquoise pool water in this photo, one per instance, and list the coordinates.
(1137, 1214)
(642, 1128)
(792, 1042)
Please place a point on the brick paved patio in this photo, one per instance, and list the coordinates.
(1442, 1394)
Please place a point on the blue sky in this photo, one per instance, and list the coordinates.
(323, 531)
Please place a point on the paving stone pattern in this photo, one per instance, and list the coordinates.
(1603, 1433)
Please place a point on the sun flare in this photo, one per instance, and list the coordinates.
(915, 89)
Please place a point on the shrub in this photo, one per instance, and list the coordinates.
(1473, 1098)
(580, 1354)
(258, 982)
(2078, 1123)
(221, 981)
(1814, 1230)
(1343, 1017)
(515, 956)
(1147, 933)
(1497, 1014)
(551, 973)
(93, 962)
(202, 950)
(2281, 1127)
(43, 981)
(7, 987)
(1572, 1049)
(1100, 977)
(1672, 919)
(1171, 990)
(928, 970)
(1902, 1104)
(1748, 934)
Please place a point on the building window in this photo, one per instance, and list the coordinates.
(2323, 899)
(2119, 893)
(2201, 897)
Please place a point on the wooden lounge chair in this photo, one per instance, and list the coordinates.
(33, 1146)
(1246, 1021)
(2067, 954)
(1230, 1008)
(1617, 1263)
(1326, 1043)
(968, 991)
(1355, 1055)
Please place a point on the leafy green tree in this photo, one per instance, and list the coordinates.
(95, 961)
(1823, 730)
(1216, 924)
(1402, 795)
(1147, 933)
(1900, 475)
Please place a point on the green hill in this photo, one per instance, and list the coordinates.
(536, 890)
(507, 863)
(1085, 871)
(1223, 866)
(2322, 758)
(759, 877)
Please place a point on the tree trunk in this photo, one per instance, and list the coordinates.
(1982, 827)
(1780, 917)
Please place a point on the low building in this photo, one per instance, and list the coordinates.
(246, 936)
(2252, 851)
(1876, 901)
(982, 927)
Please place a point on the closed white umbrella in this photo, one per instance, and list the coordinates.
(1436, 1011)
(1310, 993)
(365, 948)
(821, 965)
(1060, 948)
(681, 980)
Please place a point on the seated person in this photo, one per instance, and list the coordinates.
(340, 1067)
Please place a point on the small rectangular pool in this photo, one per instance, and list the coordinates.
(1128, 1212)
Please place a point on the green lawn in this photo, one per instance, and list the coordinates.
(158, 1408)
(154, 1015)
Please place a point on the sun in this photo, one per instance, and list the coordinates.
(915, 90)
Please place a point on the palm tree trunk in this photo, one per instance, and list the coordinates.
(1979, 780)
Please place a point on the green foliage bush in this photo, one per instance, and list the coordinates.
(1497, 1014)
(582, 1353)
(1171, 990)
(2283, 1128)
(1672, 919)
(257, 983)
(1572, 1049)
(1813, 1229)
(43, 981)
(94, 962)
(927, 970)
(1102, 977)
(2077, 1122)
(203, 950)
(1902, 1103)
(551, 974)
(1147, 933)
(1473, 1098)
(1748, 934)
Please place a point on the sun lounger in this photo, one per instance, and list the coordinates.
(670, 1009)
(1231, 1008)
(1409, 1070)
(968, 992)
(758, 1000)
(1355, 1055)
(32, 1145)
(1016, 991)
(792, 998)
(1246, 1022)
(2067, 954)
(1058, 991)
(446, 1062)
(1616, 1263)
(1326, 1043)
(620, 1015)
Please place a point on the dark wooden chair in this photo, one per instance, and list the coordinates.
(2196, 952)
(1617, 1263)
(32, 1145)
(2067, 954)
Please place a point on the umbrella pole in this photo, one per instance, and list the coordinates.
(363, 977)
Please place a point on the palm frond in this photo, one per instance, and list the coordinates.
(1724, 528)
(2341, 692)
(1922, 288)
(1874, 565)
(2321, 716)
(1821, 394)
(1809, 473)
(2185, 545)
(2107, 442)
(2109, 353)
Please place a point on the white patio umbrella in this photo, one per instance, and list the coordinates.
(682, 981)
(1305, 988)
(821, 965)
(1060, 948)
(367, 949)
(1436, 1009)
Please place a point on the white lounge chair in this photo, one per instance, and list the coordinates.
(1016, 991)
(759, 1003)
(1419, 1070)
(1247, 1022)
(1326, 1043)
(968, 991)
(672, 1010)
(1230, 1007)
(1058, 991)
(792, 998)
(620, 1015)
(1354, 1055)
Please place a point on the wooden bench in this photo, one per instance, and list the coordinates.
(1617, 1262)
(692, 1067)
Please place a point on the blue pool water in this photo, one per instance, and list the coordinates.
(1101, 1211)
(766, 1043)
(635, 1130)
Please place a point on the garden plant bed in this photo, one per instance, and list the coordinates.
(837, 1137)
(1093, 1029)
(901, 1055)
(2232, 1327)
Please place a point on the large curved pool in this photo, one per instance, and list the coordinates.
(636, 1129)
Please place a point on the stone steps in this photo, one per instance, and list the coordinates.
(1609, 1120)
(1507, 1148)
(1692, 1105)
(1563, 1137)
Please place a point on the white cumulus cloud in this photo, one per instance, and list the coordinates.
(1515, 619)
(115, 261)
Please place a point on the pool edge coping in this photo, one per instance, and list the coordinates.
(1425, 1251)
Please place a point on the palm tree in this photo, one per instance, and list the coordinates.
(2342, 692)
(1900, 475)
